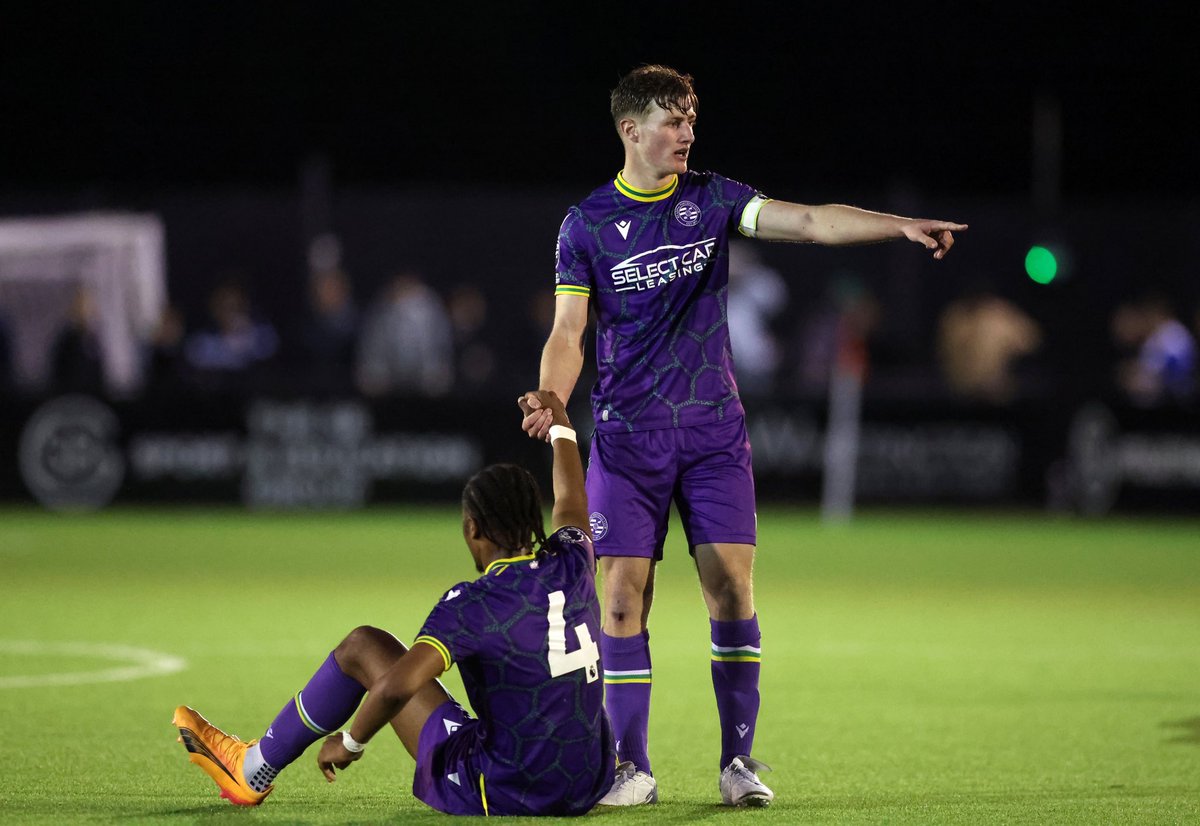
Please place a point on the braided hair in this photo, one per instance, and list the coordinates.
(506, 505)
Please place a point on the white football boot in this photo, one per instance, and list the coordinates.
(632, 787)
(740, 785)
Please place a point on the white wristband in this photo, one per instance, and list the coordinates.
(350, 744)
(559, 431)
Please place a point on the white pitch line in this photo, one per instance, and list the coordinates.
(143, 663)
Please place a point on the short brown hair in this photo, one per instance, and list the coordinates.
(650, 84)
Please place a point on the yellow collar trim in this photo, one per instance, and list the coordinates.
(508, 561)
(644, 195)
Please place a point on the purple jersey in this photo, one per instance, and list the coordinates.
(524, 637)
(656, 266)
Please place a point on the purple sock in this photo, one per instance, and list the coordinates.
(626, 662)
(736, 658)
(318, 709)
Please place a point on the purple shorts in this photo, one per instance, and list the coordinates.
(445, 777)
(632, 478)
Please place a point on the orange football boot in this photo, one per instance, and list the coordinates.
(220, 755)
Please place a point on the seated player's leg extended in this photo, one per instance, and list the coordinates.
(245, 771)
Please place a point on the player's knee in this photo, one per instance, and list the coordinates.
(627, 597)
(622, 619)
(623, 600)
(732, 598)
(358, 644)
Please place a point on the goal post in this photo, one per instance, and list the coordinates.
(119, 258)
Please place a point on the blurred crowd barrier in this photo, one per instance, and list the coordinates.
(83, 452)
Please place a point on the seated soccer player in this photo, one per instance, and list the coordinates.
(527, 627)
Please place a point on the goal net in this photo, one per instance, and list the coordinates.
(118, 258)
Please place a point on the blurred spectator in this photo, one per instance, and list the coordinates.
(981, 338)
(231, 348)
(523, 350)
(474, 339)
(331, 330)
(1162, 364)
(838, 329)
(406, 344)
(7, 370)
(538, 320)
(163, 363)
(757, 294)
(77, 362)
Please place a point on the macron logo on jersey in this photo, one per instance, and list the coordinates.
(451, 594)
(450, 725)
(623, 228)
(656, 267)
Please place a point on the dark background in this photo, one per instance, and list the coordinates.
(812, 101)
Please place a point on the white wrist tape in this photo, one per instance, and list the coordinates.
(350, 744)
(559, 431)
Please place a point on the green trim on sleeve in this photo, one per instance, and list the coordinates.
(572, 289)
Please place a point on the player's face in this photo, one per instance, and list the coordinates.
(665, 138)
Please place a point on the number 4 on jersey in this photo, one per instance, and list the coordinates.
(587, 656)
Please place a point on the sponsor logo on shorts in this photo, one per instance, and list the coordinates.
(599, 525)
(687, 213)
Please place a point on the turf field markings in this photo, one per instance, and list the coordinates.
(138, 663)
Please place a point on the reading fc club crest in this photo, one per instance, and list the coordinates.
(599, 525)
(687, 213)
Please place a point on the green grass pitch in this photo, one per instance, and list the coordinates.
(917, 667)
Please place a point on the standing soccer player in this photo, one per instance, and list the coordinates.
(523, 635)
(649, 250)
